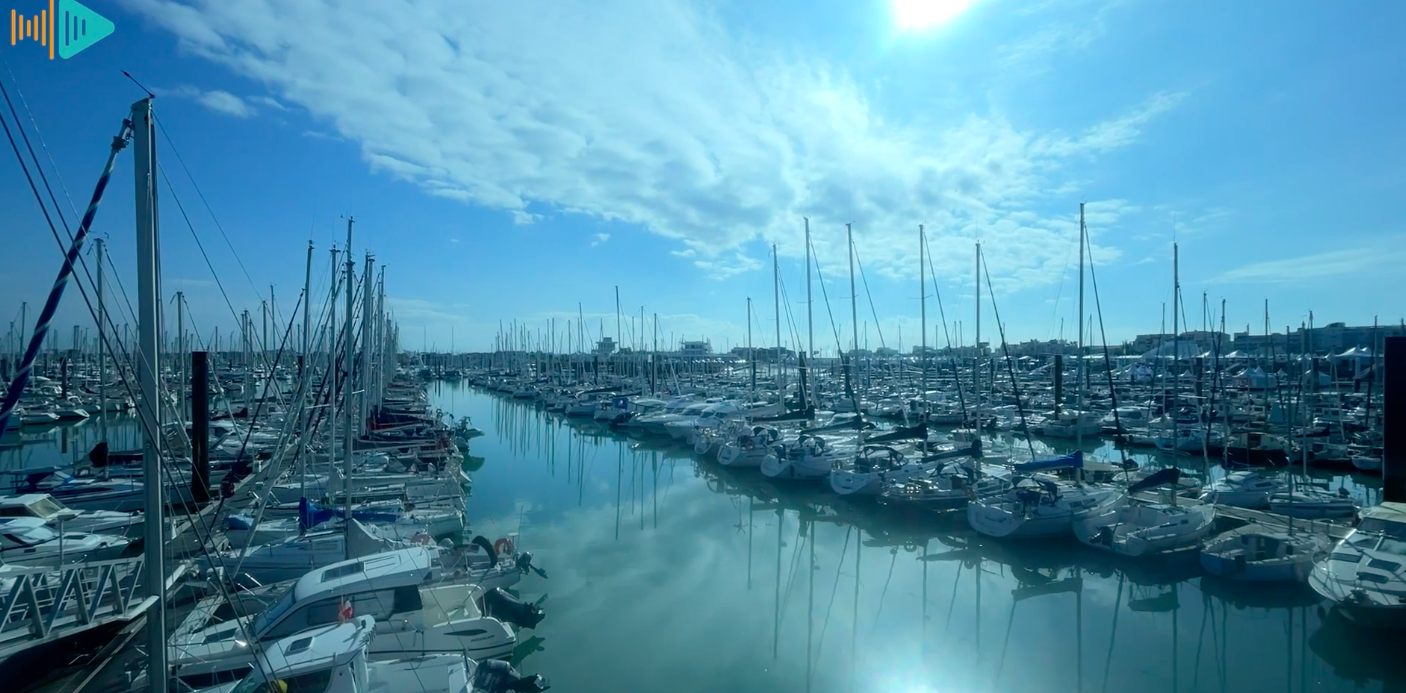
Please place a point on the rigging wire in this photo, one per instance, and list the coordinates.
(1005, 348)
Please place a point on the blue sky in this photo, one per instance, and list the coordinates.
(511, 160)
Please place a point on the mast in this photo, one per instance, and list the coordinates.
(181, 355)
(1079, 354)
(614, 357)
(306, 363)
(331, 372)
(102, 346)
(751, 355)
(854, 321)
(976, 363)
(810, 319)
(923, 311)
(776, 292)
(1176, 343)
(347, 393)
(368, 328)
(148, 358)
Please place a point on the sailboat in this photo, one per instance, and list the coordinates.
(1132, 527)
(1037, 505)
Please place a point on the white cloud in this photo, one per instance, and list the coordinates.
(221, 101)
(599, 239)
(1333, 263)
(649, 112)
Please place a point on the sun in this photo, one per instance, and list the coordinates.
(916, 15)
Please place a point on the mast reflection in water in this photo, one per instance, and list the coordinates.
(672, 573)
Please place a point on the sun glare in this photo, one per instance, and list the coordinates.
(916, 15)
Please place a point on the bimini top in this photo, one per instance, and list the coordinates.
(377, 571)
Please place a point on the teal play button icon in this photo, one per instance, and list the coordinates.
(78, 27)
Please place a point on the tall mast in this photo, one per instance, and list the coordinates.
(347, 392)
(368, 303)
(306, 363)
(853, 319)
(776, 292)
(976, 363)
(1079, 354)
(1176, 341)
(751, 356)
(810, 319)
(923, 311)
(181, 355)
(148, 358)
(102, 346)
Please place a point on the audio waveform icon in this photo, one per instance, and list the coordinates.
(70, 30)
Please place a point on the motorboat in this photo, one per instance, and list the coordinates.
(333, 659)
(58, 516)
(1365, 575)
(85, 493)
(1133, 527)
(414, 615)
(1257, 554)
(29, 541)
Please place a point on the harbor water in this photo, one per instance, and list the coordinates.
(668, 572)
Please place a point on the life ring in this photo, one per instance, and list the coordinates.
(503, 547)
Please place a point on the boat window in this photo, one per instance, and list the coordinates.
(407, 599)
(379, 604)
(1377, 525)
(15, 511)
(311, 682)
(31, 536)
(317, 613)
(44, 507)
(275, 612)
(343, 570)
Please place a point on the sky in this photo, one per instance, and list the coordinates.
(519, 161)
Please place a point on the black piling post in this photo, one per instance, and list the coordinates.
(200, 428)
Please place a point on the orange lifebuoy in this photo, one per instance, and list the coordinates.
(503, 547)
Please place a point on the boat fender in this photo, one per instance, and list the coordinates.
(503, 547)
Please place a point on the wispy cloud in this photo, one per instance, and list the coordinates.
(599, 239)
(221, 101)
(1334, 263)
(726, 267)
(649, 112)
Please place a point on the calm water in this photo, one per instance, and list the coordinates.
(668, 573)
(671, 573)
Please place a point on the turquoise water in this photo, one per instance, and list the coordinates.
(669, 573)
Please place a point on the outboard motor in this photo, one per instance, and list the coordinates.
(497, 676)
(524, 564)
(505, 607)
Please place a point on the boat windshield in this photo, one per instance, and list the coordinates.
(1393, 534)
(29, 536)
(271, 615)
